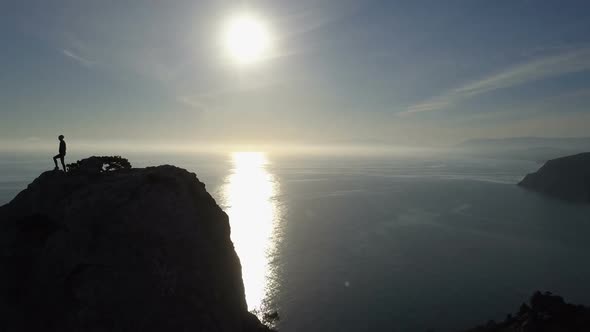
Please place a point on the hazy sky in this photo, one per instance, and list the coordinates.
(405, 72)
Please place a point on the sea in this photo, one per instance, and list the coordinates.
(389, 242)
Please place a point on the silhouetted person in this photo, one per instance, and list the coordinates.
(62, 153)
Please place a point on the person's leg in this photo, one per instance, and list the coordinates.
(55, 161)
(63, 164)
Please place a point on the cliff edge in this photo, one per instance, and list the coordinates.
(567, 178)
(128, 250)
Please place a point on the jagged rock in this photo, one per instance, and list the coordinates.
(133, 250)
(546, 313)
(566, 178)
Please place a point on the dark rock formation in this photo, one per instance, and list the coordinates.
(566, 178)
(545, 313)
(129, 250)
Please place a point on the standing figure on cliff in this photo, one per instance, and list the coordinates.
(62, 153)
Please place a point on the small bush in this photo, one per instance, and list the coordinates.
(97, 165)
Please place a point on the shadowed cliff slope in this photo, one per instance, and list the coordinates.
(130, 250)
(566, 178)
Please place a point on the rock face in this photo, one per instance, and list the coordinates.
(566, 178)
(545, 313)
(131, 250)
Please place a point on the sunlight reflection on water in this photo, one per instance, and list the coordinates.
(249, 193)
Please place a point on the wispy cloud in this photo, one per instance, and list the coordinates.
(84, 61)
(192, 102)
(540, 68)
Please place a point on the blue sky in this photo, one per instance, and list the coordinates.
(401, 72)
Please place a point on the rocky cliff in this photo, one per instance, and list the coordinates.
(566, 178)
(545, 312)
(128, 250)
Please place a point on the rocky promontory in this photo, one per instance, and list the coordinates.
(567, 178)
(110, 249)
(545, 312)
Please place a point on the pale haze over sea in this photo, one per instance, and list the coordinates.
(398, 242)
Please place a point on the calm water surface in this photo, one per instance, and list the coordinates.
(395, 244)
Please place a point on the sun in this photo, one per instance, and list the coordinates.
(247, 38)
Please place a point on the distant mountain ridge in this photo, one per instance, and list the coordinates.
(520, 142)
(538, 149)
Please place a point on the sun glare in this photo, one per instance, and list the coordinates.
(249, 198)
(247, 39)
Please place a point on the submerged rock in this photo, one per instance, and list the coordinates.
(566, 178)
(130, 250)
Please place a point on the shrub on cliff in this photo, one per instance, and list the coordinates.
(98, 165)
